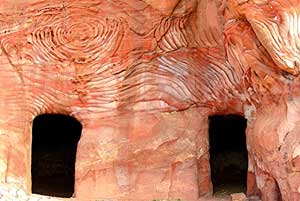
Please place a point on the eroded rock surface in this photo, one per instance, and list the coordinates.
(142, 76)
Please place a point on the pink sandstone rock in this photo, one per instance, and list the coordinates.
(142, 77)
(238, 197)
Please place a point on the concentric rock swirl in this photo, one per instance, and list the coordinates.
(78, 38)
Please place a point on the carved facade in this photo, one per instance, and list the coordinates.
(142, 77)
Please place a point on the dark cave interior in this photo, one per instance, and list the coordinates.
(54, 144)
(228, 153)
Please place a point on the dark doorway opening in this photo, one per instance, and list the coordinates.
(54, 144)
(228, 153)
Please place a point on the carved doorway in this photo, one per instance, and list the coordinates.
(54, 144)
(228, 153)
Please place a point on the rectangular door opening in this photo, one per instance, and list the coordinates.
(54, 145)
(228, 153)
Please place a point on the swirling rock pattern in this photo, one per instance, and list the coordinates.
(142, 76)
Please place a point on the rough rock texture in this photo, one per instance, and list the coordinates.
(238, 197)
(142, 76)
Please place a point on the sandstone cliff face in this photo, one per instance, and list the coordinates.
(142, 77)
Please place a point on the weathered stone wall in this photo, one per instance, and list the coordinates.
(142, 77)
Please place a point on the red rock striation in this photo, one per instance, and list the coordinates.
(143, 76)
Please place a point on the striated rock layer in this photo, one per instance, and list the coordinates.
(142, 77)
